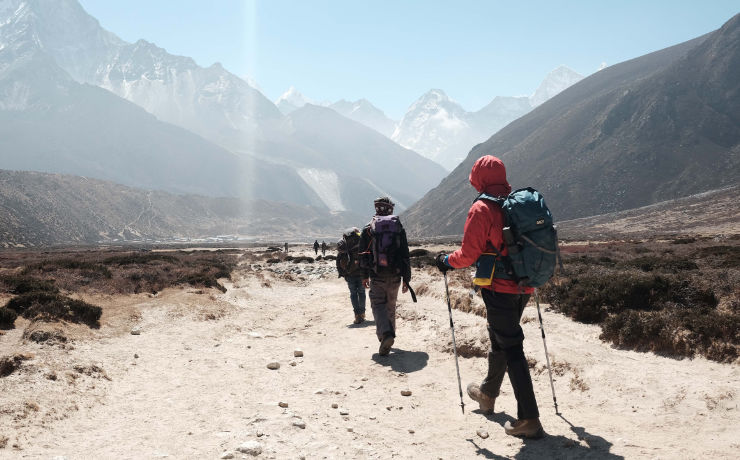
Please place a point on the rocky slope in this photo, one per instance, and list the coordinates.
(45, 209)
(655, 128)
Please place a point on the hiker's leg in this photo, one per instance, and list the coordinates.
(393, 285)
(504, 312)
(360, 297)
(491, 385)
(354, 284)
(378, 302)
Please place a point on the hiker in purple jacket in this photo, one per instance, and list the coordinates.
(384, 259)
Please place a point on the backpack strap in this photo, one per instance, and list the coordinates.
(503, 269)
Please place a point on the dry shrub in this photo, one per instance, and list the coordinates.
(41, 335)
(422, 288)
(23, 283)
(418, 253)
(123, 272)
(7, 318)
(678, 300)
(9, 364)
(45, 306)
(577, 383)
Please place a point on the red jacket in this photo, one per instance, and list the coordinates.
(483, 227)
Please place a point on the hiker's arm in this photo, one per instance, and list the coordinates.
(475, 236)
(405, 260)
(365, 256)
(338, 259)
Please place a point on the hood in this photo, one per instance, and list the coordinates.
(489, 176)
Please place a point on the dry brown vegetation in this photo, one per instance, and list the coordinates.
(43, 281)
(678, 297)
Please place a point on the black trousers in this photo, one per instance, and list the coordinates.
(507, 351)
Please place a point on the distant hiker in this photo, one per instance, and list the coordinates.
(384, 259)
(286, 247)
(323, 248)
(504, 298)
(316, 247)
(348, 266)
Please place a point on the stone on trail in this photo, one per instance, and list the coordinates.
(334, 405)
(482, 433)
(343, 412)
(136, 331)
(300, 424)
(273, 365)
(250, 448)
(282, 404)
(298, 353)
(411, 431)
(320, 391)
(226, 455)
(405, 392)
(293, 363)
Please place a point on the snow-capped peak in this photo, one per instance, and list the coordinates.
(555, 82)
(293, 100)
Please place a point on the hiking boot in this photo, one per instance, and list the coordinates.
(525, 428)
(385, 345)
(484, 401)
(359, 319)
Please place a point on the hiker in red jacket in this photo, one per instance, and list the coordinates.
(504, 298)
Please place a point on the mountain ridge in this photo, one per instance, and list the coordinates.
(616, 140)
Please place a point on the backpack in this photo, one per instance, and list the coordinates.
(348, 250)
(386, 231)
(530, 237)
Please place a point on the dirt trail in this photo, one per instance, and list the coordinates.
(200, 386)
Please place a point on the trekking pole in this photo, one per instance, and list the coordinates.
(547, 357)
(454, 345)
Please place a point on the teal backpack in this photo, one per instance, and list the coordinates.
(530, 237)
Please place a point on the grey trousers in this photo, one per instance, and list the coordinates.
(383, 297)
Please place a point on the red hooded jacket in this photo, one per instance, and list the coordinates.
(485, 222)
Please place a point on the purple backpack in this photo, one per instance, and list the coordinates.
(386, 232)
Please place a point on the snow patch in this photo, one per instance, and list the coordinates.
(326, 185)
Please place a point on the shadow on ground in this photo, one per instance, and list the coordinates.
(403, 361)
(366, 323)
(587, 445)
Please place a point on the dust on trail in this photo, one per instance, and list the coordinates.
(200, 386)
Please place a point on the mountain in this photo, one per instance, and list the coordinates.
(291, 100)
(49, 122)
(45, 209)
(348, 164)
(554, 83)
(362, 111)
(655, 128)
(441, 130)
(243, 145)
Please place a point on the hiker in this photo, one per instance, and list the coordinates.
(504, 298)
(348, 266)
(316, 247)
(323, 248)
(286, 247)
(384, 260)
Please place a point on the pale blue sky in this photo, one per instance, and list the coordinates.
(392, 51)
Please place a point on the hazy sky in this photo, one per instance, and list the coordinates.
(392, 51)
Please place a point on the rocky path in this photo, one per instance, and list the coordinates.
(195, 384)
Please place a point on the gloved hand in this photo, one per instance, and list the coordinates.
(441, 265)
